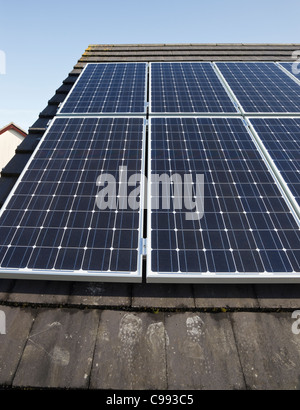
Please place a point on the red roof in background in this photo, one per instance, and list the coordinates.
(14, 127)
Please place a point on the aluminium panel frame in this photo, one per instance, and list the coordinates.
(212, 277)
(82, 275)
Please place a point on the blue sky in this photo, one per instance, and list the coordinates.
(43, 40)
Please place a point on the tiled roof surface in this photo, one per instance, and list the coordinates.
(119, 336)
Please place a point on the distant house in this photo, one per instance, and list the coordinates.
(10, 137)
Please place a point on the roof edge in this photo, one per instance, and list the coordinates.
(14, 127)
(192, 44)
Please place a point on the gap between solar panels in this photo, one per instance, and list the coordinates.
(156, 128)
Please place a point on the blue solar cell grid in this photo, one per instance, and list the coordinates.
(247, 228)
(262, 87)
(51, 225)
(108, 88)
(187, 88)
(52, 222)
(281, 138)
(293, 68)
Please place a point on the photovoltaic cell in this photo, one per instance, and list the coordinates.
(51, 226)
(262, 87)
(293, 68)
(52, 223)
(108, 88)
(281, 138)
(187, 88)
(247, 228)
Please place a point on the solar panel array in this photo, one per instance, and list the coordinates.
(70, 216)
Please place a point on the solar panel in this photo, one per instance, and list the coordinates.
(281, 138)
(293, 68)
(108, 88)
(60, 222)
(262, 87)
(187, 88)
(217, 209)
(247, 230)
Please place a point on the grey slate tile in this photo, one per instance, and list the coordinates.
(18, 324)
(71, 79)
(268, 350)
(57, 99)
(64, 89)
(130, 352)
(278, 296)
(28, 145)
(49, 111)
(39, 126)
(6, 185)
(15, 165)
(100, 294)
(185, 46)
(225, 296)
(162, 296)
(188, 52)
(59, 350)
(201, 352)
(75, 72)
(5, 287)
(39, 292)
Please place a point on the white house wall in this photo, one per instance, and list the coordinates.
(9, 141)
